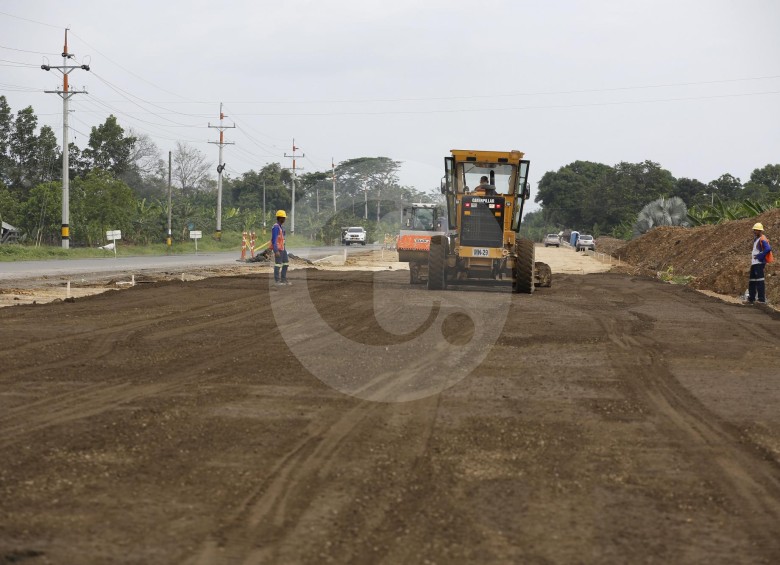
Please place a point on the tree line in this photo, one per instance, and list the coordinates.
(120, 181)
(606, 200)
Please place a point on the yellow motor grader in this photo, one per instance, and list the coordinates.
(485, 193)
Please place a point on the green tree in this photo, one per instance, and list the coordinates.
(47, 156)
(726, 187)
(23, 150)
(769, 176)
(368, 179)
(690, 190)
(108, 148)
(535, 226)
(6, 125)
(41, 213)
(571, 195)
(100, 202)
(630, 187)
(10, 206)
(764, 184)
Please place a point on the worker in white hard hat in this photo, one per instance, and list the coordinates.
(281, 261)
(762, 254)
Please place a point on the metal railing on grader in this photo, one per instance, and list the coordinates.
(485, 193)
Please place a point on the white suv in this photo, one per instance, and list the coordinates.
(356, 234)
(585, 242)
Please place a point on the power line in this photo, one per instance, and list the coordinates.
(509, 109)
(29, 20)
(123, 92)
(28, 51)
(20, 63)
(129, 71)
(501, 95)
(17, 88)
(260, 143)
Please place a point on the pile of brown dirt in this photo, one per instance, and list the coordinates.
(609, 245)
(716, 256)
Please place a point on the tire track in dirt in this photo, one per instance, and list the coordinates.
(746, 474)
(75, 407)
(262, 529)
(106, 334)
(90, 400)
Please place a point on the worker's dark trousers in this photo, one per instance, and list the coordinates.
(280, 264)
(756, 284)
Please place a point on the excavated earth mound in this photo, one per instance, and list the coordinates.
(716, 256)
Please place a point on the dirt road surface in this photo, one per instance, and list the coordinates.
(608, 419)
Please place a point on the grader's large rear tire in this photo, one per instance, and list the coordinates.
(437, 264)
(523, 271)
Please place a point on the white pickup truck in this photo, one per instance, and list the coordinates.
(355, 234)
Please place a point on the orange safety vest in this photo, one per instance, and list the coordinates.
(280, 238)
(769, 258)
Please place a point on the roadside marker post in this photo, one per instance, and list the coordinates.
(196, 235)
(113, 235)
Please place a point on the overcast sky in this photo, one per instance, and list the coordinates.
(694, 86)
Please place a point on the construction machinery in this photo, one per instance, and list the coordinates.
(485, 193)
(420, 222)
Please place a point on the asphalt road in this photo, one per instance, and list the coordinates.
(134, 264)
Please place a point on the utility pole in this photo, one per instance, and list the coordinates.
(168, 241)
(292, 211)
(333, 176)
(264, 231)
(65, 93)
(220, 167)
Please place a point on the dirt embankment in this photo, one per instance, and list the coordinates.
(717, 257)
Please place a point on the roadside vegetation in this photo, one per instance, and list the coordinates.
(608, 200)
(119, 181)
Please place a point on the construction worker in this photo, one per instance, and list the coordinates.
(760, 257)
(484, 187)
(281, 262)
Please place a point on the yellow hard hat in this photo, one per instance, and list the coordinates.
(759, 226)
(281, 214)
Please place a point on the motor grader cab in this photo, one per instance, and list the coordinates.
(485, 193)
(420, 222)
